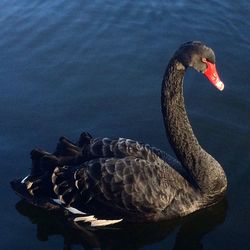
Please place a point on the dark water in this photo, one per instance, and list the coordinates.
(72, 66)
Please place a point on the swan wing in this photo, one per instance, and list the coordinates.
(127, 185)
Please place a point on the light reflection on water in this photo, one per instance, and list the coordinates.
(190, 230)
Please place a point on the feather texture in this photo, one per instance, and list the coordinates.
(109, 180)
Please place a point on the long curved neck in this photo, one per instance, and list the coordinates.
(178, 128)
(205, 170)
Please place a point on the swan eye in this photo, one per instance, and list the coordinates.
(204, 59)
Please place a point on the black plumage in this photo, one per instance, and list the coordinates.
(130, 180)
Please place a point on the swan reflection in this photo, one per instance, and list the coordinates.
(190, 230)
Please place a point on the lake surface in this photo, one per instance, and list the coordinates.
(97, 66)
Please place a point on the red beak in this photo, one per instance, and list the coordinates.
(213, 77)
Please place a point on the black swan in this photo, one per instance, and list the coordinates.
(104, 181)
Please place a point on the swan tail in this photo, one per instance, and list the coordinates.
(71, 153)
(38, 182)
(42, 162)
(66, 148)
(84, 139)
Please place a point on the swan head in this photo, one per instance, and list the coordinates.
(197, 55)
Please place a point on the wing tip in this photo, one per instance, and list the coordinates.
(94, 222)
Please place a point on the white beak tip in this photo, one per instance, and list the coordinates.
(220, 85)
